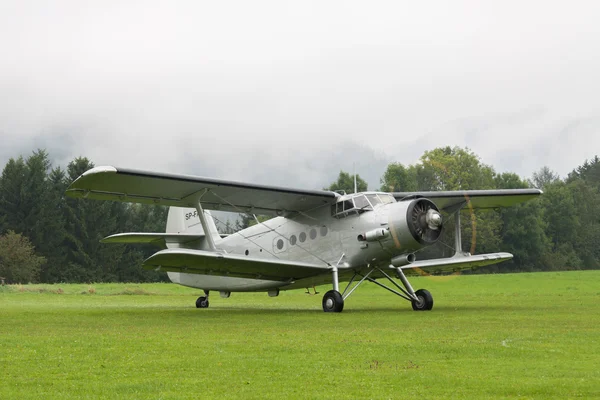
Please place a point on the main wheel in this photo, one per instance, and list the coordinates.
(425, 302)
(333, 301)
(202, 302)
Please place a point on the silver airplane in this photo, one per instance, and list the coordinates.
(316, 236)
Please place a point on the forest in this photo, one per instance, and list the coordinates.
(50, 238)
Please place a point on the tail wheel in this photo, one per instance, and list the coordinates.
(425, 300)
(333, 301)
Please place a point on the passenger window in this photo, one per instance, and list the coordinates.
(279, 245)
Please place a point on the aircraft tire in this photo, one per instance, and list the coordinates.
(333, 301)
(426, 302)
(202, 302)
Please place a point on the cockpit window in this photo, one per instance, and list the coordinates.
(373, 199)
(386, 198)
(361, 202)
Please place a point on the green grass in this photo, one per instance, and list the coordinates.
(488, 336)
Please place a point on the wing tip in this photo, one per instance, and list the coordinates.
(76, 191)
(100, 169)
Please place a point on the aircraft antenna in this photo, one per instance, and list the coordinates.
(355, 186)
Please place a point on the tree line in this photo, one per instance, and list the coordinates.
(47, 237)
(558, 231)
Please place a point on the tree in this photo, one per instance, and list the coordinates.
(398, 178)
(453, 168)
(12, 187)
(18, 261)
(509, 180)
(523, 234)
(246, 220)
(586, 198)
(345, 182)
(561, 213)
(52, 246)
(140, 218)
(545, 176)
(87, 222)
(589, 171)
(35, 195)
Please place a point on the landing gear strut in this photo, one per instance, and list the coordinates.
(333, 300)
(202, 301)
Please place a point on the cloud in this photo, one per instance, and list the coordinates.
(290, 93)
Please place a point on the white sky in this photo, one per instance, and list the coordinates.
(289, 93)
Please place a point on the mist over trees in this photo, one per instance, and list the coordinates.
(47, 237)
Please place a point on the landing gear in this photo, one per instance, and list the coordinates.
(202, 301)
(421, 299)
(424, 301)
(333, 301)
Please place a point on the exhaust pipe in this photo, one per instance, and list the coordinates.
(373, 235)
(403, 259)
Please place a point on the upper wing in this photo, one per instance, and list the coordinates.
(110, 183)
(474, 198)
(232, 265)
(457, 263)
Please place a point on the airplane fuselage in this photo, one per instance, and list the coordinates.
(321, 237)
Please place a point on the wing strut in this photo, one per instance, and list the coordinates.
(207, 233)
(457, 236)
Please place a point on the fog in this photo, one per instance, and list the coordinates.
(292, 92)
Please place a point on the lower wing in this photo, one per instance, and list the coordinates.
(231, 265)
(457, 263)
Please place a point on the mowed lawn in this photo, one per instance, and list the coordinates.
(531, 335)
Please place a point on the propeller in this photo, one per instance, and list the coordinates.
(426, 220)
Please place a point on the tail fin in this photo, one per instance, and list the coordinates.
(186, 220)
(184, 230)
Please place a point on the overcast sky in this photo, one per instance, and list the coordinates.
(289, 93)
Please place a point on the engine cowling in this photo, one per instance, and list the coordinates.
(415, 223)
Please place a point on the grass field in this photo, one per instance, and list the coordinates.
(488, 336)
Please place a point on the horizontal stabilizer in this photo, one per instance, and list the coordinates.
(157, 239)
(232, 265)
(458, 262)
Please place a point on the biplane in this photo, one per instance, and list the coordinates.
(315, 237)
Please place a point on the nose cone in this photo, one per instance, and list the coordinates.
(434, 219)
